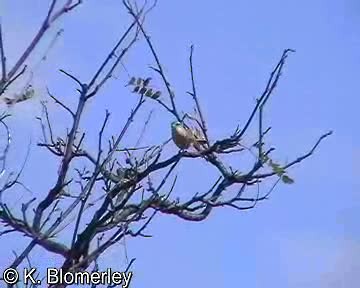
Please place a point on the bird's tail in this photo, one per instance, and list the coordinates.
(199, 140)
(199, 144)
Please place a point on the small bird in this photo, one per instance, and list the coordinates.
(184, 137)
(180, 135)
(199, 139)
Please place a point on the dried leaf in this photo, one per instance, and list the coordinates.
(139, 81)
(149, 93)
(142, 90)
(156, 95)
(276, 168)
(287, 180)
(132, 81)
(147, 81)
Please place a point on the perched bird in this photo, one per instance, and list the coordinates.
(199, 139)
(183, 137)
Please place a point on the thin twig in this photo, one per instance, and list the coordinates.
(2, 58)
(195, 97)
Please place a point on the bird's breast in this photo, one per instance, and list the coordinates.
(181, 137)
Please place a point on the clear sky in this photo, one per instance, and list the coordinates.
(307, 234)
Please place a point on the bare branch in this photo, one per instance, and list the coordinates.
(72, 77)
(117, 195)
(270, 86)
(297, 160)
(43, 29)
(2, 59)
(60, 103)
(4, 154)
(159, 66)
(195, 97)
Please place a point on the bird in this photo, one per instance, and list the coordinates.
(180, 135)
(199, 139)
(184, 137)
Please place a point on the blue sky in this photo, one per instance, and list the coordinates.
(307, 234)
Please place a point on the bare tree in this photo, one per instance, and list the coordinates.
(121, 198)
